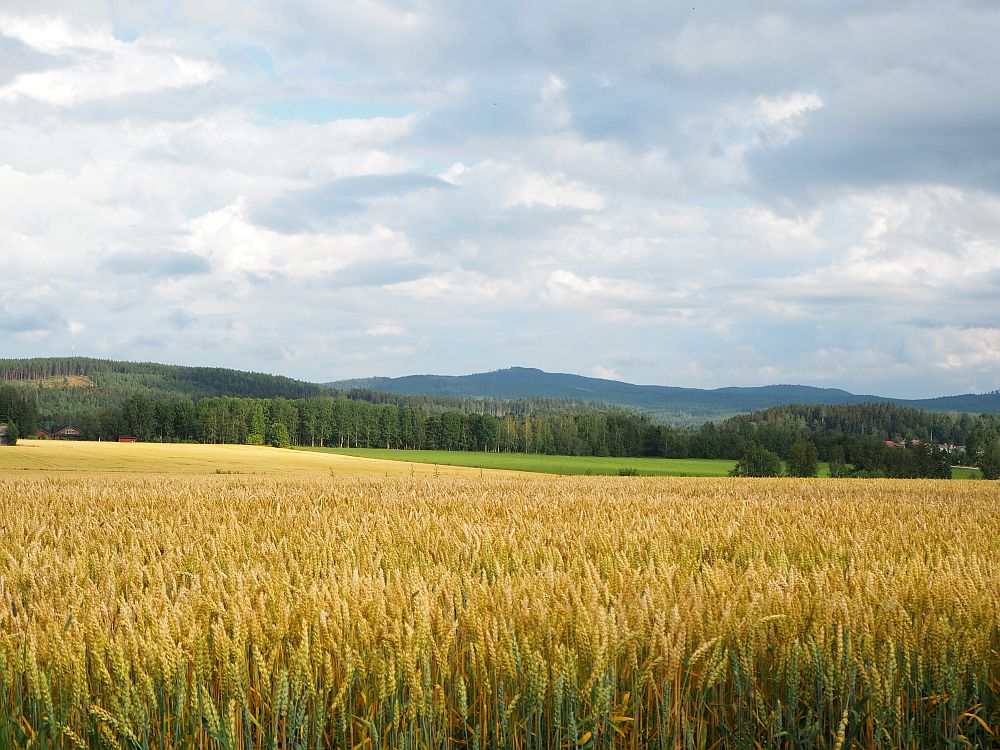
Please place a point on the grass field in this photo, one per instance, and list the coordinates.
(193, 610)
(575, 465)
(184, 458)
(596, 465)
(570, 465)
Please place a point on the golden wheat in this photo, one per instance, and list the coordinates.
(241, 612)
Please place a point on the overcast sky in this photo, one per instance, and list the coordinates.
(700, 193)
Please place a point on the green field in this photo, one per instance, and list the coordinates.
(599, 465)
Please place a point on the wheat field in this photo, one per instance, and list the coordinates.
(183, 611)
(87, 457)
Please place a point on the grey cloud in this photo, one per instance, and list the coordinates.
(161, 264)
(17, 58)
(377, 275)
(145, 341)
(180, 320)
(866, 140)
(30, 320)
(173, 104)
(323, 206)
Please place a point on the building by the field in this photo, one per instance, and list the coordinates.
(67, 432)
(126, 440)
(5, 435)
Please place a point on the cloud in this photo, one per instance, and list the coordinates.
(722, 196)
(30, 319)
(326, 206)
(96, 65)
(963, 349)
(157, 264)
(511, 186)
(384, 329)
(18, 58)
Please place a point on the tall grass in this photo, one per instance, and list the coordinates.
(239, 612)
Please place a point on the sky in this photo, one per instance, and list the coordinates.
(701, 194)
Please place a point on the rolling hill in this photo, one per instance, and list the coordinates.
(151, 377)
(69, 385)
(669, 403)
(66, 387)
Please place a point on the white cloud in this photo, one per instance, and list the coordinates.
(564, 283)
(961, 349)
(237, 246)
(783, 116)
(384, 329)
(508, 185)
(96, 65)
(553, 88)
(783, 235)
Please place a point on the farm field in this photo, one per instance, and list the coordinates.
(573, 465)
(965, 472)
(194, 610)
(194, 458)
(534, 462)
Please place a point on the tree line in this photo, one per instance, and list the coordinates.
(339, 421)
(852, 438)
(17, 411)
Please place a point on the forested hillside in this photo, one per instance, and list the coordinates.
(66, 389)
(127, 377)
(668, 404)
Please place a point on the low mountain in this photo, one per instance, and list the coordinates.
(668, 403)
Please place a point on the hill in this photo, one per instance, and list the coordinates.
(668, 403)
(69, 386)
(173, 380)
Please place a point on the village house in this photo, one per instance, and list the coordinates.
(6, 438)
(950, 448)
(61, 433)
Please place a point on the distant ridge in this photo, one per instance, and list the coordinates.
(71, 385)
(670, 403)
